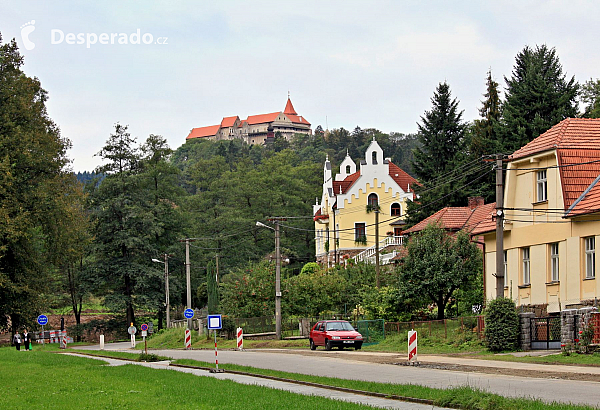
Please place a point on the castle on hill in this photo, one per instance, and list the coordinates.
(256, 129)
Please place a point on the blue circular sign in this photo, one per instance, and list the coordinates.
(42, 320)
(188, 313)
(144, 327)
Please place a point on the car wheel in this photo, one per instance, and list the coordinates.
(327, 344)
(357, 347)
(312, 345)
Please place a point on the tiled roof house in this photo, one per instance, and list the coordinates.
(552, 220)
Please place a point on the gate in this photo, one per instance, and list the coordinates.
(545, 332)
(372, 331)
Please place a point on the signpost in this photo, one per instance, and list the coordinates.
(412, 345)
(144, 328)
(188, 313)
(42, 320)
(215, 322)
(132, 331)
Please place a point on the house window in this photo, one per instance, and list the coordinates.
(395, 209)
(590, 257)
(374, 157)
(505, 265)
(360, 231)
(347, 169)
(554, 262)
(526, 265)
(372, 201)
(397, 231)
(542, 186)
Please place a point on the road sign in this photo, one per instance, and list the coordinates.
(144, 333)
(144, 327)
(42, 320)
(150, 327)
(132, 330)
(188, 313)
(214, 322)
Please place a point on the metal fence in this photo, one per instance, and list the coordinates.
(439, 328)
(372, 331)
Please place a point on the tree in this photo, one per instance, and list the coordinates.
(32, 166)
(125, 228)
(590, 95)
(437, 264)
(483, 138)
(441, 136)
(538, 96)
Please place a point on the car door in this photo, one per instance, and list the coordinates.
(318, 334)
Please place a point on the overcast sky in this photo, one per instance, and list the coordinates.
(374, 64)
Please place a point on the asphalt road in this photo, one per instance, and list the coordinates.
(548, 390)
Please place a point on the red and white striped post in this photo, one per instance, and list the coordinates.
(188, 339)
(412, 345)
(240, 338)
(63, 339)
(216, 358)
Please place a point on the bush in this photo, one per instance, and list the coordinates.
(501, 325)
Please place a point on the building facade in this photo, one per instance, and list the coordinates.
(551, 220)
(345, 218)
(256, 129)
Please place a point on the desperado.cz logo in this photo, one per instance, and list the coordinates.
(58, 36)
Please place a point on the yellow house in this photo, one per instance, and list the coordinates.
(552, 220)
(344, 226)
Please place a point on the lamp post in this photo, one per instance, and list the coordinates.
(277, 278)
(168, 307)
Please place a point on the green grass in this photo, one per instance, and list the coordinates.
(46, 380)
(463, 397)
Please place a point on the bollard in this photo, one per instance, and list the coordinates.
(240, 339)
(101, 342)
(412, 346)
(188, 339)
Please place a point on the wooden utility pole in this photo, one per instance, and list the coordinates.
(167, 304)
(277, 282)
(499, 229)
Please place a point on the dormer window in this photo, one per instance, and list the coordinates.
(347, 169)
(374, 157)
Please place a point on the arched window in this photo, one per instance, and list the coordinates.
(347, 169)
(372, 201)
(374, 157)
(395, 209)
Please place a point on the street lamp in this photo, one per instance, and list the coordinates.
(277, 278)
(168, 307)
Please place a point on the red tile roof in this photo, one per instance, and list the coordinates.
(229, 121)
(262, 118)
(298, 119)
(289, 108)
(203, 132)
(318, 216)
(577, 177)
(341, 187)
(398, 175)
(571, 133)
(457, 218)
(401, 177)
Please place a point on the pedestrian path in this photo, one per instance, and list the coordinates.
(279, 385)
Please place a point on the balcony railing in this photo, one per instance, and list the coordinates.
(368, 255)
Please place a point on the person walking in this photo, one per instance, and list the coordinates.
(17, 340)
(26, 340)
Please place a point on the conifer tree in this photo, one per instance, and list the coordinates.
(441, 136)
(538, 96)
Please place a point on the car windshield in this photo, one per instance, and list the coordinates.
(339, 326)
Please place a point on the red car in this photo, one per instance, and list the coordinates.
(338, 333)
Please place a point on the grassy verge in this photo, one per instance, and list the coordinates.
(464, 397)
(54, 381)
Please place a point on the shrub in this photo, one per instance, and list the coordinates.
(501, 325)
(310, 268)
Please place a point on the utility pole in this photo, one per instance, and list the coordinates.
(377, 278)
(168, 306)
(499, 229)
(187, 279)
(277, 282)
(217, 277)
(335, 259)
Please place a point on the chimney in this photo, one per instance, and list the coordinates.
(475, 201)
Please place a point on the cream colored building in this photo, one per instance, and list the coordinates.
(343, 226)
(552, 220)
(256, 129)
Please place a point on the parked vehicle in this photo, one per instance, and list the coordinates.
(334, 333)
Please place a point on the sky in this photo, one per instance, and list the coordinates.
(373, 64)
